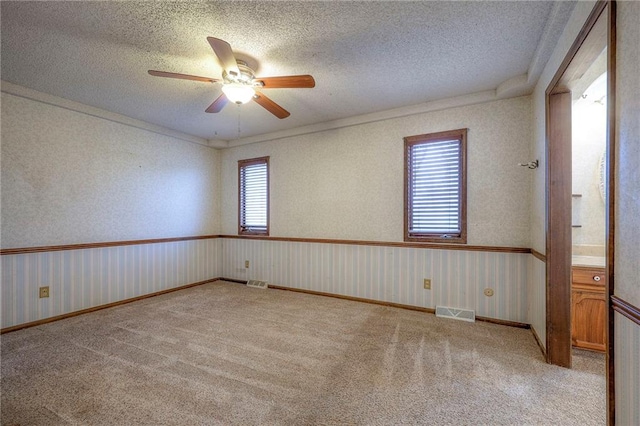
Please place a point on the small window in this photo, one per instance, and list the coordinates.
(253, 204)
(435, 187)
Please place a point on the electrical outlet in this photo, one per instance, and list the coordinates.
(427, 284)
(246, 263)
(488, 292)
(44, 292)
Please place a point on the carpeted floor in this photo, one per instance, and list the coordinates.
(223, 353)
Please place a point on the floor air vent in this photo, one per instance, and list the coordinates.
(257, 284)
(459, 314)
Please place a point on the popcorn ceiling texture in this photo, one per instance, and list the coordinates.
(71, 178)
(365, 56)
(348, 183)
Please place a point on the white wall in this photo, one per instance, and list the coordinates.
(70, 177)
(589, 136)
(348, 183)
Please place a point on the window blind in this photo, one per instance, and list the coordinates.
(435, 188)
(254, 197)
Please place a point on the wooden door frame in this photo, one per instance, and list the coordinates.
(558, 195)
(558, 227)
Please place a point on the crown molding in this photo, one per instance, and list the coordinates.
(552, 30)
(34, 95)
(441, 104)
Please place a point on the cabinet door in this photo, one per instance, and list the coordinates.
(588, 319)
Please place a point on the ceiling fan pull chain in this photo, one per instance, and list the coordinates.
(238, 121)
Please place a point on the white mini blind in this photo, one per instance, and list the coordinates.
(254, 187)
(435, 188)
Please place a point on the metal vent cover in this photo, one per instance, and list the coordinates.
(459, 314)
(257, 284)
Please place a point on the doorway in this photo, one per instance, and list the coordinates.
(591, 57)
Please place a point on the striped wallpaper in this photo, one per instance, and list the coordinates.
(80, 279)
(537, 299)
(84, 278)
(391, 274)
(627, 371)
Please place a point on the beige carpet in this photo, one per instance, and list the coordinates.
(226, 354)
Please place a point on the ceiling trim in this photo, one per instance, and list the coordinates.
(553, 28)
(34, 95)
(441, 104)
(517, 86)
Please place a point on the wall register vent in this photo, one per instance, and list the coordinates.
(257, 284)
(459, 314)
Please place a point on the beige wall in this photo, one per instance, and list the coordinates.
(628, 153)
(627, 234)
(573, 27)
(537, 283)
(348, 183)
(627, 214)
(70, 177)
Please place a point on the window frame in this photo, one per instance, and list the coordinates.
(409, 141)
(241, 164)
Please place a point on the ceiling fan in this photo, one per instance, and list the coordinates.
(240, 85)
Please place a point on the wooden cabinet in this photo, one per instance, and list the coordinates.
(588, 308)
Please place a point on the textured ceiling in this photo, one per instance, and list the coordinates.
(365, 56)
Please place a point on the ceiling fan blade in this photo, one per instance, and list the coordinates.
(271, 106)
(223, 50)
(289, 82)
(218, 104)
(182, 76)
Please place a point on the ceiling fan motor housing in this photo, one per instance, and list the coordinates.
(239, 84)
(246, 75)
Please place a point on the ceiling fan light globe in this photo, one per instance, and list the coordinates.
(238, 93)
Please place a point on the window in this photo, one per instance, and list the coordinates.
(253, 200)
(435, 187)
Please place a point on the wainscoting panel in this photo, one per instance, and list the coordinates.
(537, 299)
(81, 279)
(390, 274)
(627, 371)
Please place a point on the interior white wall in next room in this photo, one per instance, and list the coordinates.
(70, 177)
(589, 136)
(347, 183)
